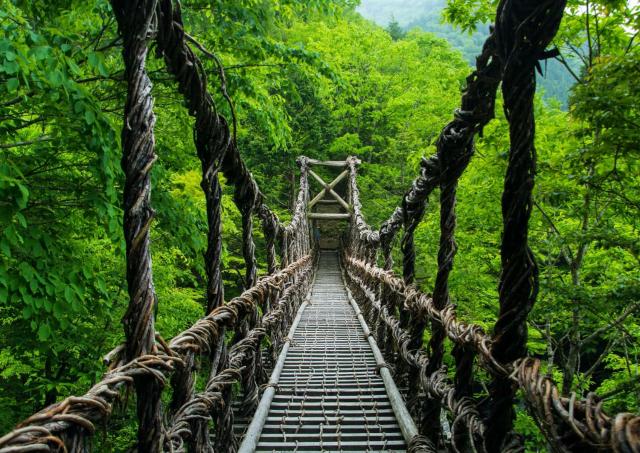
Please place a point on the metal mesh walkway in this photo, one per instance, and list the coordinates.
(330, 396)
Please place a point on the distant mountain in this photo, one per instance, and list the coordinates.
(427, 15)
(403, 11)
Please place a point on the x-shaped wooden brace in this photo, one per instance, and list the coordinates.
(328, 189)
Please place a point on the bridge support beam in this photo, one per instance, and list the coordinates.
(405, 421)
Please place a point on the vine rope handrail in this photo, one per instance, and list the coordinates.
(583, 419)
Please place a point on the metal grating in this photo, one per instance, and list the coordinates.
(330, 396)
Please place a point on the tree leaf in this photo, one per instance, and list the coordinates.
(44, 332)
(13, 84)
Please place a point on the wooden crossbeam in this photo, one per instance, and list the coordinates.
(328, 189)
(328, 163)
(329, 216)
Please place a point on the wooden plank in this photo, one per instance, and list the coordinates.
(327, 201)
(328, 216)
(329, 399)
(339, 178)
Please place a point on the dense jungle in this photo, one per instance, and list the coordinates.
(327, 79)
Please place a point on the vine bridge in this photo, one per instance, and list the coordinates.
(326, 352)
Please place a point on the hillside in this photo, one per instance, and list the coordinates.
(555, 83)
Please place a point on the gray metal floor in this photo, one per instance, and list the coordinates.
(330, 396)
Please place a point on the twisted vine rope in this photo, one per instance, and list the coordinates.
(212, 138)
(455, 149)
(525, 29)
(138, 157)
(79, 415)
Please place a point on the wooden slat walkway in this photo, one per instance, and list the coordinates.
(330, 396)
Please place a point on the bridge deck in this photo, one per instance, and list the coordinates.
(330, 396)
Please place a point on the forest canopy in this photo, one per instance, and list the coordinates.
(307, 78)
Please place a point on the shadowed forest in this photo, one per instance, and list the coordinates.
(312, 78)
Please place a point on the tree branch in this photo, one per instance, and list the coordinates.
(619, 320)
(565, 63)
(564, 248)
(43, 138)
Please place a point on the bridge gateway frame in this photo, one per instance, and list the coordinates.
(328, 209)
(327, 189)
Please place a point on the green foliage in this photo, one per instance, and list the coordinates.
(526, 425)
(395, 30)
(310, 78)
(58, 281)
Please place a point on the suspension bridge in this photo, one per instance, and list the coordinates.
(326, 352)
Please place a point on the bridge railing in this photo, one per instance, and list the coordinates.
(398, 312)
(146, 362)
